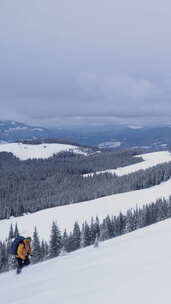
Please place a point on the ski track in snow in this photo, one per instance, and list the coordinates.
(134, 268)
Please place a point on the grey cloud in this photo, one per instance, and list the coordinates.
(74, 61)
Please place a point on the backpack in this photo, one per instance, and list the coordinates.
(14, 246)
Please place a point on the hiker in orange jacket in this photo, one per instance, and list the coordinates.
(23, 253)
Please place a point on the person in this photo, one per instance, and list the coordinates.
(23, 252)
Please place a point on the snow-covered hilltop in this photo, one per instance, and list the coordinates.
(133, 268)
(44, 150)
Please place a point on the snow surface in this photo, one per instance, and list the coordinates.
(45, 150)
(68, 214)
(134, 268)
(150, 160)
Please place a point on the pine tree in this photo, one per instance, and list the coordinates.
(82, 237)
(76, 236)
(36, 248)
(16, 231)
(69, 243)
(46, 250)
(11, 233)
(130, 223)
(3, 257)
(55, 241)
(87, 235)
(104, 233)
(64, 239)
(43, 254)
(109, 227)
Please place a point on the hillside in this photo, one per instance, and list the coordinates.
(67, 215)
(134, 268)
(112, 205)
(43, 151)
(149, 160)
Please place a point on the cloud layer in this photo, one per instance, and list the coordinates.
(85, 61)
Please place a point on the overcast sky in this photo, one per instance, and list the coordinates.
(68, 62)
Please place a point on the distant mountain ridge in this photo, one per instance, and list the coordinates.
(13, 130)
(108, 136)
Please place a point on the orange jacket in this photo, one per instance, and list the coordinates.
(23, 250)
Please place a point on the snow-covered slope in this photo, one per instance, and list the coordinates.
(134, 268)
(150, 160)
(112, 205)
(68, 214)
(46, 150)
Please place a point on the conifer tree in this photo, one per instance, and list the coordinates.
(46, 250)
(11, 233)
(76, 236)
(87, 235)
(109, 227)
(16, 232)
(69, 243)
(104, 233)
(36, 248)
(55, 241)
(65, 238)
(4, 266)
(43, 253)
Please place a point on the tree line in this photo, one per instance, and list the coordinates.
(33, 185)
(87, 234)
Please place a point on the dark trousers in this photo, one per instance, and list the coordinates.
(22, 263)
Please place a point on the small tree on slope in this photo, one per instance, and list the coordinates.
(55, 241)
(37, 255)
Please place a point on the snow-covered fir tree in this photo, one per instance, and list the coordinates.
(76, 236)
(36, 248)
(55, 241)
(86, 235)
(11, 233)
(16, 231)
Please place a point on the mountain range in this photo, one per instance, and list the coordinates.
(108, 136)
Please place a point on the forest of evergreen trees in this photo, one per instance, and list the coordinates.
(29, 186)
(86, 235)
(32, 185)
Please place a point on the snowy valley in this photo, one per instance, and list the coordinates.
(117, 269)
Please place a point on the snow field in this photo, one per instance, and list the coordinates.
(45, 150)
(134, 268)
(150, 160)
